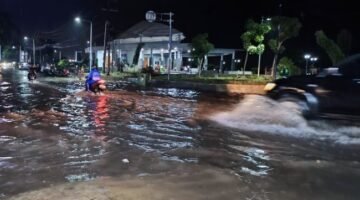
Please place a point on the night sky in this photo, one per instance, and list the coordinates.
(222, 19)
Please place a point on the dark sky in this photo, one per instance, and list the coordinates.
(222, 19)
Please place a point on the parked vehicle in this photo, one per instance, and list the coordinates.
(334, 90)
(51, 70)
(24, 66)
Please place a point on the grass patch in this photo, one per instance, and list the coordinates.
(221, 79)
(205, 78)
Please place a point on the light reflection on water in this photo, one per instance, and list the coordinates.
(54, 133)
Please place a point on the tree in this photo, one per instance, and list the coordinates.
(8, 53)
(137, 53)
(287, 67)
(332, 49)
(246, 38)
(286, 28)
(344, 40)
(9, 33)
(254, 37)
(63, 63)
(200, 48)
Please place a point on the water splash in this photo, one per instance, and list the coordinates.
(261, 114)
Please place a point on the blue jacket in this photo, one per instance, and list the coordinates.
(93, 76)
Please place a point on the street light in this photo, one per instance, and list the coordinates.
(313, 60)
(307, 57)
(26, 39)
(79, 20)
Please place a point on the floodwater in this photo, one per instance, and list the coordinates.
(58, 142)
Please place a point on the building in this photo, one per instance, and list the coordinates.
(147, 44)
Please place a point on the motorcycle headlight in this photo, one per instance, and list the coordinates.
(269, 87)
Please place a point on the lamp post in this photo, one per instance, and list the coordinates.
(237, 62)
(78, 20)
(33, 40)
(307, 57)
(76, 55)
(313, 60)
(151, 17)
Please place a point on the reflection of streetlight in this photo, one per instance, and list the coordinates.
(307, 57)
(26, 39)
(78, 20)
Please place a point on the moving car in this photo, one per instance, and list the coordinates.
(334, 90)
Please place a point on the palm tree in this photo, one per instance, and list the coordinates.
(286, 28)
(201, 47)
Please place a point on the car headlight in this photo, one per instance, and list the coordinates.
(269, 87)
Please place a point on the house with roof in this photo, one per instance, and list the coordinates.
(147, 44)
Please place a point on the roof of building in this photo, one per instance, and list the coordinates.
(147, 29)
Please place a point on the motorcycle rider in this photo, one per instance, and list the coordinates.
(94, 80)
(32, 73)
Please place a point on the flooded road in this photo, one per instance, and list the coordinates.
(57, 142)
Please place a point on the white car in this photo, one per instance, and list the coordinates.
(24, 66)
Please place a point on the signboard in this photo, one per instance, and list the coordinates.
(150, 16)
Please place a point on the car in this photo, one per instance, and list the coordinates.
(24, 66)
(53, 71)
(334, 90)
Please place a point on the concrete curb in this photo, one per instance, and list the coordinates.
(221, 88)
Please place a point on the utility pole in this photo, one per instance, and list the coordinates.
(105, 44)
(151, 17)
(278, 35)
(34, 52)
(19, 54)
(109, 61)
(170, 43)
(91, 41)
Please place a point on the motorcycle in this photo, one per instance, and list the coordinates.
(52, 71)
(97, 87)
(31, 75)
